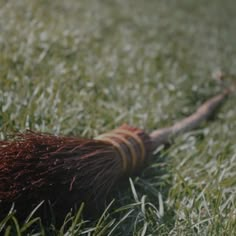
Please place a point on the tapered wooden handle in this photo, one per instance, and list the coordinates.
(162, 136)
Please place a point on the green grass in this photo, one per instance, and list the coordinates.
(84, 67)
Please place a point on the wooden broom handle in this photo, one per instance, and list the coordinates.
(162, 136)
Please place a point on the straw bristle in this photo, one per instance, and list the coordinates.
(64, 170)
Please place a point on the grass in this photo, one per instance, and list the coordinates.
(84, 67)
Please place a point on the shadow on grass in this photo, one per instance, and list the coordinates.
(144, 199)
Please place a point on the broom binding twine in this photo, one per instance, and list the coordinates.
(122, 140)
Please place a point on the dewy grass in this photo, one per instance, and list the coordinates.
(84, 67)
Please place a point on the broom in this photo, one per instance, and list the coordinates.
(68, 170)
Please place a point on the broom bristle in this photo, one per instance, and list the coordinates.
(64, 170)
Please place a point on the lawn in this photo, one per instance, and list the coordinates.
(84, 67)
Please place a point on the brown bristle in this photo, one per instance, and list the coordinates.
(64, 170)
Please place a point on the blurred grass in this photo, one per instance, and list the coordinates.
(84, 67)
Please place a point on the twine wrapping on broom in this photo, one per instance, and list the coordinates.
(130, 146)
